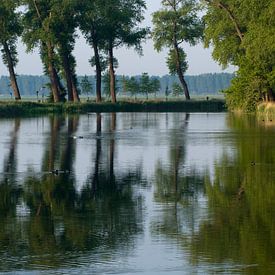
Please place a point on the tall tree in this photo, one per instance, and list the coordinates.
(10, 30)
(64, 24)
(38, 32)
(132, 86)
(122, 18)
(177, 22)
(242, 34)
(91, 23)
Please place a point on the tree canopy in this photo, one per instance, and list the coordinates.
(177, 22)
(242, 34)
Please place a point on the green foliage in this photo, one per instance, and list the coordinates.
(10, 29)
(243, 94)
(242, 34)
(148, 85)
(86, 86)
(10, 24)
(17, 109)
(176, 89)
(177, 23)
(172, 61)
(132, 86)
(204, 84)
(112, 24)
(155, 85)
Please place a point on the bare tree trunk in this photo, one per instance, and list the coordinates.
(73, 94)
(98, 72)
(53, 74)
(67, 73)
(270, 95)
(13, 80)
(75, 91)
(112, 73)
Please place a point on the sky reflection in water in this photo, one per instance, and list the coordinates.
(144, 193)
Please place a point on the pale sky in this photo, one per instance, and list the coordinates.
(199, 59)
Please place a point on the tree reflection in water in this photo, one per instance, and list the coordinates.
(241, 203)
(220, 223)
(176, 188)
(64, 224)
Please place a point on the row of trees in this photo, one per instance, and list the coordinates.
(242, 34)
(210, 84)
(144, 84)
(51, 26)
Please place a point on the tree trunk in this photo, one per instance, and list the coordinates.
(98, 72)
(50, 65)
(73, 94)
(112, 73)
(13, 80)
(66, 67)
(270, 95)
(52, 74)
(75, 91)
(180, 73)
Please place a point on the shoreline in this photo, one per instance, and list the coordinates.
(28, 108)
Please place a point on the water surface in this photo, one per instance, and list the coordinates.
(137, 193)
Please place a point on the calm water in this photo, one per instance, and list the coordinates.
(137, 194)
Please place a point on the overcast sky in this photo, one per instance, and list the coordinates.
(199, 59)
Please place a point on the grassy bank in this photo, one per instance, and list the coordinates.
(8, 109)
(266, 110)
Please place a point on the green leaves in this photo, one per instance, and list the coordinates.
(177, 23)
(172, 61)
(253, 53)
(10, 28)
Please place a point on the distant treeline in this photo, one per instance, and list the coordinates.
(199, 85)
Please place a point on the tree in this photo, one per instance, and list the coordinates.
(145, 84)
(121, 20)
(91, 22)
(177, 22)
(176, 89)
(38, 32)
(86, 86)
(242, 34)
(63, 16)
(155, 85)
(132, 86)
(10, 30)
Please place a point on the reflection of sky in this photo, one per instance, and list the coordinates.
(205, 138)
(208, 137)
(141, 140)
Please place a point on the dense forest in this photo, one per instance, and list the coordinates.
(241, 33)
(204, 84)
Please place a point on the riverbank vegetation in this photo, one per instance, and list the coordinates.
(26, 108)
(241, 34)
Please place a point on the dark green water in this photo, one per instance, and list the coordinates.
(137, 194)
